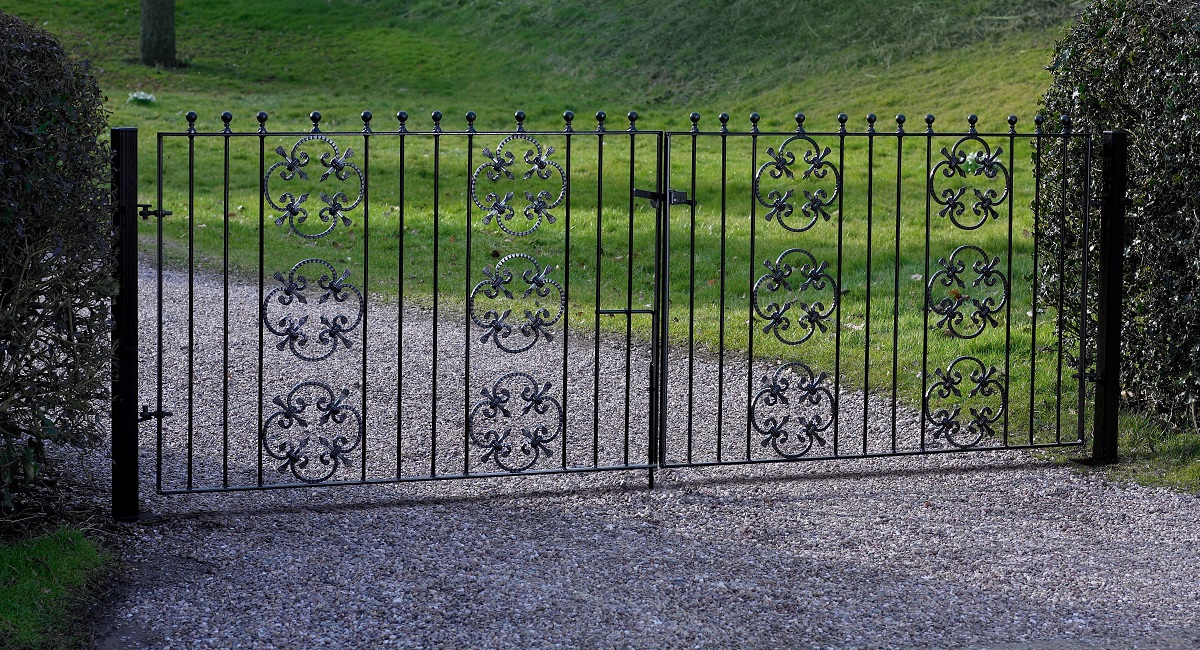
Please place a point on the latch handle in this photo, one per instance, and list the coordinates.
(145, 212)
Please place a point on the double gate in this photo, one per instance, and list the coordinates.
(414, 303)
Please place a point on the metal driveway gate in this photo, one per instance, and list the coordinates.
(371, 306)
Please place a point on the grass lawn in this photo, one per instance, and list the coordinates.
(40, 578)
(858, 56)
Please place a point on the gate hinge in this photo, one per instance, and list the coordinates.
(147, 414)
(1091, 376)
(674, 197)
(145, 212)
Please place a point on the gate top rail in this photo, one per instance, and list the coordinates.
(601, 128)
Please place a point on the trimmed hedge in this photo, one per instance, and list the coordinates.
(1135, 65)
(55, 252)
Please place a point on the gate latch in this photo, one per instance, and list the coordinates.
(674, 197)
(145, 212)
(147, 414)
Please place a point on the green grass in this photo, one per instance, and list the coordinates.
(1153, 456)
(662, 59)
(39, 578)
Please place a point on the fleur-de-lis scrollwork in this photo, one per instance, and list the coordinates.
(540, 201)
(793, 409)
(816, 199)
(970, 158)
(337, 430)
(803, 297)
(495, 320)
(945, 401)
(337, 202)
(515, 439)
(292, 328)
(960, 292)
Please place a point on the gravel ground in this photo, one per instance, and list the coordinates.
(990, 549)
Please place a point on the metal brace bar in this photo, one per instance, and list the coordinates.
(147, 414)
(674, 197)
(145, 212)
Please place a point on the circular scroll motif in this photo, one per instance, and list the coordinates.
(291, 203)
(966, 310)
(793, 409)
(492, 304)
(515, 422)
(313, 432)
(313, 329)
(817, 197)
(540, 201)
(796, 297)
(973, 160)
(980, 393)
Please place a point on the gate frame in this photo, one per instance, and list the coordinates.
(125, 417)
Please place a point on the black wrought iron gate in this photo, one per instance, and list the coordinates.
(368, 306)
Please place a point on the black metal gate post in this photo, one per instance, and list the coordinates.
(124, 337)
(1108, 335)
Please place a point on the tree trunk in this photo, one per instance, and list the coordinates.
(158, 32)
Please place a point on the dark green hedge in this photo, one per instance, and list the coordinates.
(55, 252)
(1135, 65)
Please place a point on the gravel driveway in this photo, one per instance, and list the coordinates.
(993, 549)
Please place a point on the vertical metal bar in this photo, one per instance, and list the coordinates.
(437, 172)
(721, 301)
(1062, 288)
(366, 204)
(661, 182)
(402, 117)
(629, 280)
(125, 333)
(750, 315)
(925, 280)
(662, 300)
(1008, 297)
(467, 297)
(837, 332)
(224, 315)
(1108, 334)
(596, 333)
(191, 321)
(900, 119)
(566, 335)
(867, 314)
(691, 297)
(158, 350)
(262, 161)
(1037, 245)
